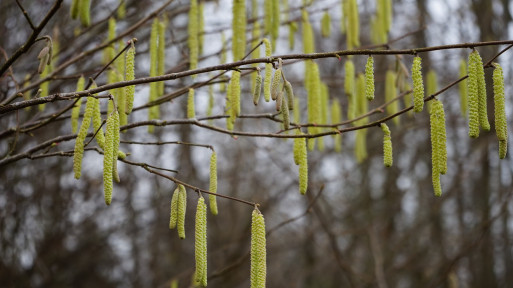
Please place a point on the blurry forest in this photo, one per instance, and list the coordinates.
(359, 225)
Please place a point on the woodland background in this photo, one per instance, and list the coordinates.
(366, 226)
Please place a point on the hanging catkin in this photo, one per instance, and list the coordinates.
(326, 25)
(84, 11)
(438, 144)
(75, 112)
(75, 8)
(153, 111)
(268, 16)
(390, 95)
(369, 78)
(473, 97)
(387, 146)
(258, 88)
(78, 153)
(268, 72)
(235, 98)
(303, 165)
(115, 147)
(182, 207)
(314, 102)
(501, 128)
(336, 117)
(349, 89)
(285, 113)
(161, 54)
(200, 245)
(201, 27)
(256, 52)
(239, 29)
(462, 86)
(173, 217)
(108, 157)
(97, 122)
(481, 85)
(213, 183)
(129, 76)
(258, 250)
(192, 40)
(418, 85)
(190, 104)
(275, 23)
(275, 84)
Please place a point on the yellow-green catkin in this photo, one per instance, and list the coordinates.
(200, 244)
(85, 12)
(256, 52)
(97, 122)
(462, 86)
(473, 97)
(391, 94)
(349, 89)
(418, 85)
(161, 54)
(258, 88)
(108, 157)
(230, 121)
(290, 95)
(213, 183)
(268, 16)
(323, 117)
(275, 84)
(173, 217)
(74, 9)
(190, 104)
(352, 24)
(258, 250)
(369, 78)
(153, 111)
(268, 72)
(326, 25)
(210, 106)
(481, 85)
(192, 40)
(110, 52)
(222, 84)
(292, 35)
(236, 90)
(182, 207)
(501, 128)
(438, 144)
(308, 36)
(275, 23)
(129, 76)
(431, 85)
(297, 111)
(122, 9)
(387, 146)
(75, 112)
(336, 117)
(313, 102)
(201, 29)
(45, 86)
(82, 133)
(285, 113)
(239, 29)
(302, 159)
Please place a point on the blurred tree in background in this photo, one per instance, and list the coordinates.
(359, 225)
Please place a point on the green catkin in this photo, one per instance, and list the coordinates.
(258, 250)
(336, 116)
(275, 23)
(213, 183)
(201, 24)
(115, 148)
(361, 108)
(279, 100)
(390, 94)
(418, 85)
(210, 106)
(369, 78)
(308, 36)
(285, 113)
(313, 102)
(122, 9)
(501, 127)
(129, 76)
(200, 245)
(230, 121)
(290, 95)
(431, 85)
(473, 97)
(108, 158)
(182, 207)
(74, 9)
(256, 52)
(192, 40)
(75, 112)
(352, 24)
(296, 146)
(302, 158)
(84, 11)
(82, 133)
(323, 118)
(190, 104)
(268, 72)
(239, 29)
(268, 16)
(222, 85)
(481, 84)
(275, 84)
(173, 217)
(110, 52)
(297, 112)
(161, 54)
(326, 25)
(387, 146)
(45, 86)
(153, 111)
(442, 137)
(97, 122)
(235, 104)
(462, 86)
(292, 34)
(349, 89)
(258, 88)
(438, 145)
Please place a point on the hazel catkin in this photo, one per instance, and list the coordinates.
(473, 98)
(213, 183)
(501, 128)
(258, 88)
(200, 245)
(190, 104)
(129, 76)
(78, 153)
(108, 158)
(387, 146)
(75, 112)
(369, 78)
(182, 207)
(268, 72)
(173, 217)
(418, 85)
(258, 250)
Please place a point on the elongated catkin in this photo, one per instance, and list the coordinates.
(481, 85)
(268, 72)
(129, 76)
(75, 112)
(473, 97)
(200, 245)
(173, 217)
(462, 86)
(258, 88)
(78, 153)
(418, 85)
(258, 250)
(108, 158)
(192, 40)
(190, 104)
(387, 146)
(182, 207)
(369, 78)
(213, 183)
(501, 128)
